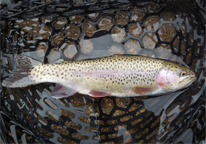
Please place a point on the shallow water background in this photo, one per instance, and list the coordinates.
(30, 115)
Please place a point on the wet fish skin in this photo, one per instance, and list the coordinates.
(117, 75)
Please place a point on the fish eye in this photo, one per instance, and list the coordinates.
(183, 73)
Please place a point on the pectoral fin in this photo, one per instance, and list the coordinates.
(143, 90)
(61, 91)
(96, 93)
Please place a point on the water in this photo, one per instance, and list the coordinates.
(150, 29)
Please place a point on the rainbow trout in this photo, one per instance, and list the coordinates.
(117, 75)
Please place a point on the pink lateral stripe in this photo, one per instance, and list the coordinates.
(105, 73)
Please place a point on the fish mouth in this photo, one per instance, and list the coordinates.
(190, 80)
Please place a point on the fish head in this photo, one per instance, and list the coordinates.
(174, 77)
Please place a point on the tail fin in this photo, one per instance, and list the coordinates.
(20, 77)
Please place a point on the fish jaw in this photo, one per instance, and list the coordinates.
(189, 81)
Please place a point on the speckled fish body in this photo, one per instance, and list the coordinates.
(117, 75)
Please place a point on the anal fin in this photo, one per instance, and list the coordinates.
(61, 91)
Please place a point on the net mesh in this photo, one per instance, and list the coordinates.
(73, 30)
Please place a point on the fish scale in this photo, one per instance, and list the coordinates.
(117, 75)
